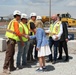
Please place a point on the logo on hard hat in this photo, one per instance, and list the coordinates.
(23, 16)
(17, 12)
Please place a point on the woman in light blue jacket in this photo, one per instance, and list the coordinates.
(42, 45)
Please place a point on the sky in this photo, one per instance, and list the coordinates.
(41, 7)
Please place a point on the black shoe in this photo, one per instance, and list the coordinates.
(19, 67)
(26, 65)
(54, 62)
(30, 61)
(44, 69)
(39, 70)
(66, 60)
(12, 69)
(49, 61)
(34, 60)
(59, 58)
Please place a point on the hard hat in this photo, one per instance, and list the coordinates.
(24, 16)
(32, 14)
(16, 12)
(54, 38)
(39, 17)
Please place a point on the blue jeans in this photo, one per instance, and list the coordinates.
(51, 43)
(30, 50)
(22, 50)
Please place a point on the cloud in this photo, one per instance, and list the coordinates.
(13, 2)
(9, 9)
(39, 1)
(72, 3)
(41, 7)
(57, 1)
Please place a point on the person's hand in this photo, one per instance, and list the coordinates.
(22, 43)
(37, 49)
(56, 37)
(50, 33)
(26, 36)
(66, 40)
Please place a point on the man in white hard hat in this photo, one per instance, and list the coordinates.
(12, 33)
(32, 31)
(22, 49)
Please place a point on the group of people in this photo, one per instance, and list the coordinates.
(29, 33)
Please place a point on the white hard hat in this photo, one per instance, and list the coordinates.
(33, 14)
(39, 17)
(16, 12)
(24, 16)
(54, 38)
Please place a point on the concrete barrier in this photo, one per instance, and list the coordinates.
(2, 44)
(72, 46)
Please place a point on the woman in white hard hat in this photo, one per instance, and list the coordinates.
(39, 18)
(38, 21)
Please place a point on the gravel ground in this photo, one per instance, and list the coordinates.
(60, 68)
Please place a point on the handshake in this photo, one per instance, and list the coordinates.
(27, 36)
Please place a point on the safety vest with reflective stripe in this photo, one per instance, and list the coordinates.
(23, 30)
(28, 24)
(55, 28)
(11, 28)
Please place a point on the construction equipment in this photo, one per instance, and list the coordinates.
(71, 22)
(45, 19)
(67, 18)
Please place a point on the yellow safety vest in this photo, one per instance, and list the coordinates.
(23, 30)
(55, 28)
(28, 24)
(11, 28)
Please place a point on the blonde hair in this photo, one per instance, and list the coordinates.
(39, 24)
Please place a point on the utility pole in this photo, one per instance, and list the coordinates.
(49, 11)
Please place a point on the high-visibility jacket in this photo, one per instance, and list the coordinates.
(55, 28)
(23, 30)
(10, 33)
(29, 26)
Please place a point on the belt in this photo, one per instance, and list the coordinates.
(12, 41)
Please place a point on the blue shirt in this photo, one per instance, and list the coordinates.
(40, 37)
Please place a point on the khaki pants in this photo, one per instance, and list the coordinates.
(9, 58)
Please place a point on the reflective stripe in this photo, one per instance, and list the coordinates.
(54, 29)
(24, 30)
(10, 31)
(28, 24)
